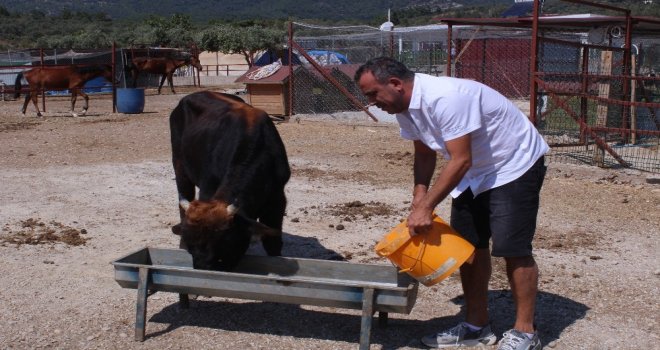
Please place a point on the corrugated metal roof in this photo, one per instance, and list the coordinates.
(282, 74)
(279, 77)
(647, 24)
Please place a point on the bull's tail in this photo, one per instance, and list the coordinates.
(17, 85)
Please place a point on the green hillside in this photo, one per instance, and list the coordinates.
(329, 10)
(96, 24)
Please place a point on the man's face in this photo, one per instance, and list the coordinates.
(388, 97)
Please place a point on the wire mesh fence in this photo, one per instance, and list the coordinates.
(185, 74)
(497, 57)
(595, 105)
(339, 51)
(13, 65)
(14, 62)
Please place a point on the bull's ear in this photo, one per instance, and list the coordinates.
(176, 229)
(254, 228)
(258, 229)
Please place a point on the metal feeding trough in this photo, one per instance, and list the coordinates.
(368, 287)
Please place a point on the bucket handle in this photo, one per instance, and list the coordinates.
(421, 251)
(419, 255)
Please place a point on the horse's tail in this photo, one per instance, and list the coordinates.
(17, 85)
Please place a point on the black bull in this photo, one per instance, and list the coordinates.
(234, 155)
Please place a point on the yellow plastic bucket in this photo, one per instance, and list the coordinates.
(429, 257)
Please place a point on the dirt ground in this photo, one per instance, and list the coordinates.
(78, 193)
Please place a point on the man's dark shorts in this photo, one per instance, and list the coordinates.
(506, 213)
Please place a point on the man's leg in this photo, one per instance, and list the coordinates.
(514, 210)
(471, 220)
(523, 276)
(474, 278)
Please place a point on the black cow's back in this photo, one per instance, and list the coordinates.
(228, 146)
(233, 153)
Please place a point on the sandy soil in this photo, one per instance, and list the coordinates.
(78, 193)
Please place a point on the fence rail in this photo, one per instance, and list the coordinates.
(224, 70)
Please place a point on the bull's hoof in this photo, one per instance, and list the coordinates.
(39, 114)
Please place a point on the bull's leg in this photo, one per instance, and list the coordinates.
(273, 217)
(169, 81)
(272, 245)
(186, 190)
(162, 80)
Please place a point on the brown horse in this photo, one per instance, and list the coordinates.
(71, 77)
(163, 66)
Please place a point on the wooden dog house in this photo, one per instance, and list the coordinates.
(270, 93)
(313, 93)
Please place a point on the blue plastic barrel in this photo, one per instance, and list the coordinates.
(130, 101)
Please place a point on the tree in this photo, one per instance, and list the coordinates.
(246, 41)
(175, 31)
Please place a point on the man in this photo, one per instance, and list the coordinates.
(494, 174)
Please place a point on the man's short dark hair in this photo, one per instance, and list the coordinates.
(384, 68)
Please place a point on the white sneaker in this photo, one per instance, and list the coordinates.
(460, 335)
(516, 340)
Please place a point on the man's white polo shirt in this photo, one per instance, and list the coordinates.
(505, 144)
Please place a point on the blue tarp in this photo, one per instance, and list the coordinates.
(325, 57)
(271, 56)
(322, 57)
(96, 85)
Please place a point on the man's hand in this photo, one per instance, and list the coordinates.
(420, 220)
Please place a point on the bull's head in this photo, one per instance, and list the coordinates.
(216, 234)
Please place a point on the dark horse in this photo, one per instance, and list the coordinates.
(71, 77)
(163, 66)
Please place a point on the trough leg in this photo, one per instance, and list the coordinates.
(184, 301)
(141, 315)
(367, 317)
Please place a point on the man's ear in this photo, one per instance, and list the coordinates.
(396, 83)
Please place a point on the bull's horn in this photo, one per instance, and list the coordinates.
(232, 209)
(184, 204)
